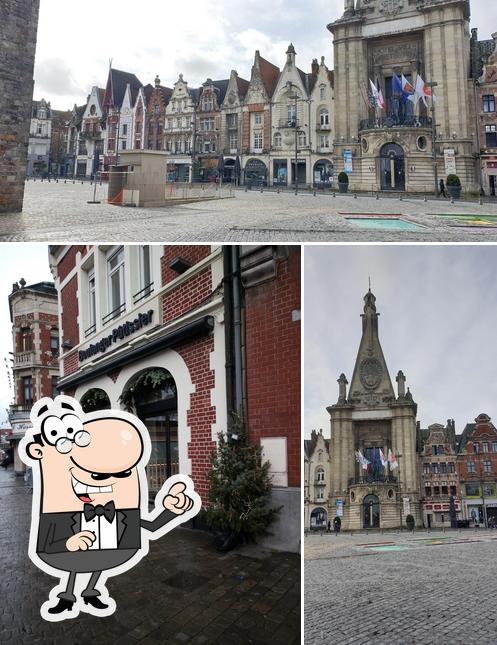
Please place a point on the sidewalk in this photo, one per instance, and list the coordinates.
(182, 592)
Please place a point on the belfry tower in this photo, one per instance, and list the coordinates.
(371, 420)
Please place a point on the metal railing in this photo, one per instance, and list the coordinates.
(289, 123)
(91, 330)
(143, 293)
(393, 122)
(373, 479)
(114, 314)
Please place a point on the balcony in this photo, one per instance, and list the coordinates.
(319, 482)
(289, 124)
(90, 134)
(323, 127)
(24, 359)
(19, 412)
(389, 122)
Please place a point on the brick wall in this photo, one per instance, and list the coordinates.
(19, 21)
(201, 415)
(192, 254)
(68, 262)
(273, 360)
(187, 296)
(69, 299)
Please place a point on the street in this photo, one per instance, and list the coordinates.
(182, 592)
(54, 211)
(393, 588)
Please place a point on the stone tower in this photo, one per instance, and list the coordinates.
(370, 419)
(380, 40)
(18, 29)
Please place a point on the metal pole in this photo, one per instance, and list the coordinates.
(434, 136)
(296, 145)
(478, 140)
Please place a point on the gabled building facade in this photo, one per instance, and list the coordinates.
(40, 135)
(180, 132)
(486, 100)
(89, 159)
(208, 127)
(139, 137)
(317, 482)
(232, 126)
(35, 336)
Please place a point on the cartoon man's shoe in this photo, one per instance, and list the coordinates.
(94, 601)
(62, 605)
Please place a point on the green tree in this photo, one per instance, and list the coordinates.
(239, 489)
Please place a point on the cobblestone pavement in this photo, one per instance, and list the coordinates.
(182, 592)
(404, 589)
(55, 212)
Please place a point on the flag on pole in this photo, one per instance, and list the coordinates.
(383, 459)
(361, 459)
(407, 87)
(392, 460)
(381, 100)
(374, 92)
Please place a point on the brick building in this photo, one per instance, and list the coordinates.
(155, 329)
(140, 117)
(156, 116)
(439, 476)
(35, 334)
(477, 466)
(486, 98)
(18, 24)
(208, 127)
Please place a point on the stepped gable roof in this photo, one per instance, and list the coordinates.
(220, 87)
(270, 75)
(465, 436)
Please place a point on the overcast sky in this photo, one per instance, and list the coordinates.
(28, 261)
(200, 38)
(438, 321)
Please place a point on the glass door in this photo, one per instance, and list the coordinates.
(164, 458)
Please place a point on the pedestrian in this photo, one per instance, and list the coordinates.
(337, 523)
(442, 190)
(329, 526)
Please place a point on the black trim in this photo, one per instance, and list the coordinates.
(198, 327)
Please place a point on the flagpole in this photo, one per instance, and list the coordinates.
(434, 135)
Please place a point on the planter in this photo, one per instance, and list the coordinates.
(343, 188)
(455, 191)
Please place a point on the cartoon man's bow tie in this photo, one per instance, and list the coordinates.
(108, 511)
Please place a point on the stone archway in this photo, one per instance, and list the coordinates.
(371, 512)
(392, 167)
(319, 519)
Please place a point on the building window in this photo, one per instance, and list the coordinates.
(426, 469)
(322, 93)
(169, 124)
(125, 130)
(320, 494)
(234, 142)
(156, 109)
(491, 136)
(207, 104)
(320, 475)
(434, 450)
(207, 125)
(489, 103)
(476, 447)
(258, 140)
(453, 489)
(445, 490)
(494, 446)
(485, 446)
(487, 466)
(27, 339)
(55, 391)
(258, 118)
(434, 469)
(324, 117)
(27, 384)
(471, 467)
(302, 139)
(123, 145)
(292, 114)
(443, 468)
(92, 318)
(232, 120)
(115, 270)
(451, 467)
(436, 489)
(54, 342)
(324, 141)
(427, 491)
(277, 140)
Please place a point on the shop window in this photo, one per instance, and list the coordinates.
(95, 399)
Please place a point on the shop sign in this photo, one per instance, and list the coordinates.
(491, 164)
(119, 333)
(407, 505)
(339, 508)
(255, 165)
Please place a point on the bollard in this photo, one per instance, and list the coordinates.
(426, 199)
(401, 198)
(278, 191)
(262, 189)
(334, 195)
(377, 197)
(452, 201)
(65, 181)
(314, 193)
(246, 189)
(481, 201)
(355, 195)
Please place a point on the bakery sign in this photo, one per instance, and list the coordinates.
(121, 332)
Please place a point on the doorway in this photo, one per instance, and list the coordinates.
(371, 511)
(392, 168)
(492, 185)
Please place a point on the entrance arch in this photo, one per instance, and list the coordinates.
(371, 512)
(152, 394)
(319, 519)
(392, 167)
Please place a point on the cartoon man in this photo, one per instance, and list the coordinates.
(90, 499)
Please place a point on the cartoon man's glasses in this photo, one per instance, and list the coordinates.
(64, 432)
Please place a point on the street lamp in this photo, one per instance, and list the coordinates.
(434, 134)
(295, 97)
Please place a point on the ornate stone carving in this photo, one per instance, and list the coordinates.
(394, 53)
(390, 7)
(371, 372)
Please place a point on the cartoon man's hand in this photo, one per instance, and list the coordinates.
(81, 541)
(176, 500)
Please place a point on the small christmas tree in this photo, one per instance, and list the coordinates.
(239, 489)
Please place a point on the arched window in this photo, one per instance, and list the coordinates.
(302, 139)
(324, 117)
(277, 140)
(319, 475)
(95, 399)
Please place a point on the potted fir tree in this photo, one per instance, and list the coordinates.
(239, 490)
(454, 186)
(343, 182)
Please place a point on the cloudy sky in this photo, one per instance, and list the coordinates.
(200, 38)
(438, 321)
(28, 261)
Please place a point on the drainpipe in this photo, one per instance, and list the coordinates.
(228, 326)
(237, 329)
